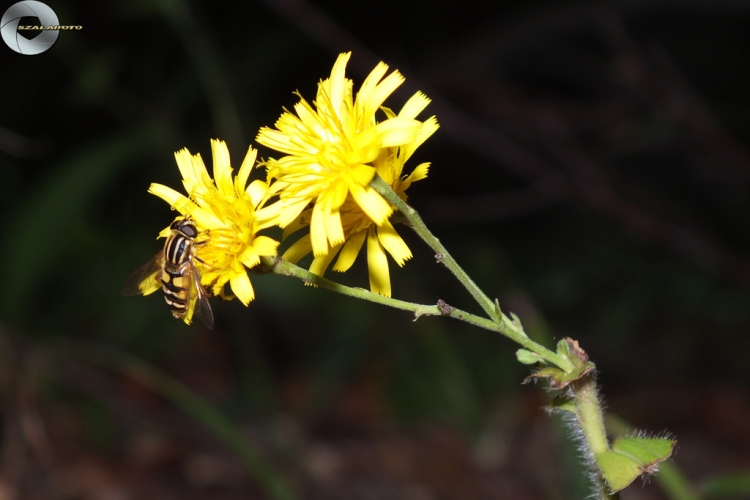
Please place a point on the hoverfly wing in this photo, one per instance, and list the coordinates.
(145, 279)
(203, 310)
(198, 304)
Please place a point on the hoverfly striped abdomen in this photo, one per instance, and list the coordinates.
(175, 292)
(173, 269)
(179, 252)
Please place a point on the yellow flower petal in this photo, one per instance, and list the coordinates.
(418, 174)
(393, 243)
(218, 287)
(306, 118)
(275, 139)
(256, 190)
(165, 232)
(244, 174)
(365, 147)
(298, 250)
(414, 105)
(388, 112)
(222, 168)
(249, 258)
(185, 206)
(369, 87)
(361, 175)
(325, 226)
(372, 204)
(242, 287)
(185, 164)
(373, 100)
(302, 221)
(200, 182)
(377, 263)
(167, 194)
(267, 216)
(290, 209)
(318, 231)
(265, 246)
(429, 127)
(337, 80)
(205, 219)
(349, 252)
(321, 263)
(398, 131)
(150, 285)
(333, 198)
(334, 230)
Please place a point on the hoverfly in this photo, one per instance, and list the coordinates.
(173, 270)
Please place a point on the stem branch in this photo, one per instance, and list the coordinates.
(379, 185)
(284, 268)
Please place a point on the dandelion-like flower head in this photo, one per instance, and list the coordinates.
(330, 149)
(356, 223)
(227, 213)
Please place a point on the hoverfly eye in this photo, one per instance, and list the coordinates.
(189, 230)
(176, 224)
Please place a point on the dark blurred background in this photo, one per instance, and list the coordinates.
(591, 171)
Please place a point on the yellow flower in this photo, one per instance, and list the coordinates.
(357, 225)
(229, 213)
(330, 148)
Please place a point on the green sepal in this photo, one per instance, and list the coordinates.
(517, 324)
(560, 379)
(618, 470)
(563, 348)
(563, 403)
(498, 316)
(527, 357)
(646, 452)
(631, 457)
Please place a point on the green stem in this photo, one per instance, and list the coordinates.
(379, 185)
(590, 414)
(510, 328)
(591, 421)
(507, 328)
